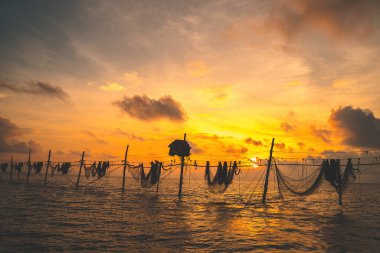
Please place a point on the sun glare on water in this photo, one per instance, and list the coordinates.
(254, 162)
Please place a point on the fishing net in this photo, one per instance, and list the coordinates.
(336, 178)
(18, 167)
(222, 178)
(96, 169)
(102, 169)
(149, 179)
(88, 170)
(37, 166)
(329, 170)
(53, 169)
(3, 167)
(63, 168)
(303, 186)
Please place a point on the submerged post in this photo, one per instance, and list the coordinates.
(27, 176)
(181, 176)
(80, 170)
(125, 167)
(11, 168)
(267, 174)
(47, 167)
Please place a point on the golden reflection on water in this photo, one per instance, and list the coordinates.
(100, 217)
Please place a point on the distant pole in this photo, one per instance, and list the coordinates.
(181, 176)
(80, 170)
(125, 167)
(47, 167)
(11, 168)
(29, 165)
(267, 174)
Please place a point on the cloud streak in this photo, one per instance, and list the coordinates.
(37, 88)
(148, 109)
(253, 142)
(129, 135)
(323, 134)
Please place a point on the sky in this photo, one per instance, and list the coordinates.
(95, 76)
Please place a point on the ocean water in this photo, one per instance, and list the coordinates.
(98, 217)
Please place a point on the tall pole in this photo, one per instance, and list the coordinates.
(47, 167)
(29, 165)
(80, 170)
(125, 167)
(11, 168)
(268, 171)
(181, 176)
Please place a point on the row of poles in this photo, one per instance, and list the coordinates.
(125, 167)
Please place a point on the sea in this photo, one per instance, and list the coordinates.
(98, 217)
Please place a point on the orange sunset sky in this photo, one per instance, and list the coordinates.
(98, 75)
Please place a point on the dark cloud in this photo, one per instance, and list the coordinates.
(195, 149)
(359, 127)
(287, 127)
(337, 18)
(145, 108)
(280, 146)
(325, 34)
(36, 88)
(323, 134)
(301, 145)
(129, 135)
(253, 142)
(232, 150)
(58, 36)
(9, 133)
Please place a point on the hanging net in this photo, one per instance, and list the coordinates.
(149, 179)
(303, 186)
(336, 178)
(53, 169)
(88, 170)
(37, 166)
(102, 169)
(18, 167)
(3, 167)
(63, 168)
(222, 178)
(98, 170)
(328, 170)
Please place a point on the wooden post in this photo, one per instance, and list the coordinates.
(80, 170)
(11, 168)
(340, 191)
(181, 176)
(125, 167)
(267, 174)
(47, 167)
(29, 165)
(159, 175)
